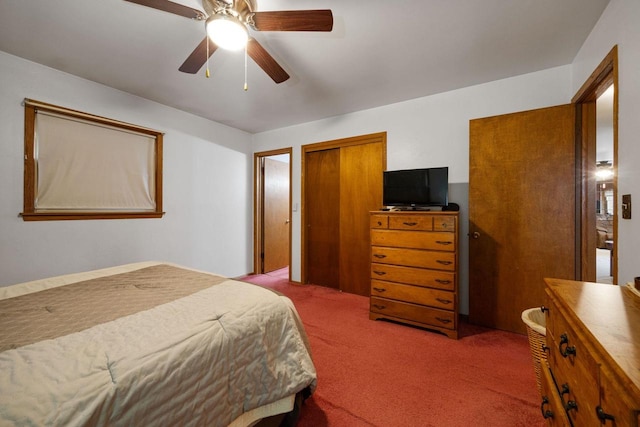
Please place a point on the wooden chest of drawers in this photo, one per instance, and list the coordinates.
(593, 341)
(414, 269)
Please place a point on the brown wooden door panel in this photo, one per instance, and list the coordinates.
(322, 214)
(521, 211)
(361, 169)
(276, 215)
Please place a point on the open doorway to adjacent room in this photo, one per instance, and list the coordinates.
(272, 210)
(605, 201)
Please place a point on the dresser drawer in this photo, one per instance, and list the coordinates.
(617, 403)
(574, 369)
(567, 350)
(416, 294)
(414, 258)
(439, 241)
(411, 222)
(413, 312)
(551, 406)
(379, 221)
(414, 276)
(444, 223)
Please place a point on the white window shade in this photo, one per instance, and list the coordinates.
(83, 166)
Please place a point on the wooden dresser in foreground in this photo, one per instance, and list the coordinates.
(592, 376)
(414, 269)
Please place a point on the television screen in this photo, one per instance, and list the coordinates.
(416, 187)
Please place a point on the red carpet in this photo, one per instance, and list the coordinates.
(377, 373)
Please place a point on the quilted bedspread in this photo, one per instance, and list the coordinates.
(203, 356)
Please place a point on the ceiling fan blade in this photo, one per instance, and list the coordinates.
(294, 20)
(266, 61)
(171, 7)
(198, 57)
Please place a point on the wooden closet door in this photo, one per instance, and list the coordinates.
(361, 169)
(522, 206)
(322, 215)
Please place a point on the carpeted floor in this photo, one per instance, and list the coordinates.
(377, 373)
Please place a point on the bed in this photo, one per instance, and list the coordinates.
(149, 344)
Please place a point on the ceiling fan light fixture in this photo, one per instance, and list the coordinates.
(227, 31)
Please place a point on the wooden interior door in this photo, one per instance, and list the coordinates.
(522, 211)
(322, 217)
(361, 169)
(275, 228)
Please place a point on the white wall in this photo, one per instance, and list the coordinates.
(207, 187)
(620, 24)
(424, 132)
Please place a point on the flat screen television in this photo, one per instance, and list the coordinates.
(416, 188)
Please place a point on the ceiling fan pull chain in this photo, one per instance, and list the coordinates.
(207, 38)
(246, 86)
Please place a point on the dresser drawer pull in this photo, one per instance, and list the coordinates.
(444, 262)
(546, 413)
(444, 301)
(444, 242)
(379, 273)
(603, 416)
(443, 281)
(380, 307)
(379, 223)
(441, 320)
(410, 224)
(379, 289)
(380, 256)
(568, 350)
(570, 404)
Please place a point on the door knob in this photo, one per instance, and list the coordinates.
(286, 222)
(475, 235)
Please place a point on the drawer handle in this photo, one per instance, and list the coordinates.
(603, 416)
(410, 224)
(568, 350)
(445, 321)
(380, 273)
(379, 223)
(443, 281)
(379, 289)
(444, 242)
(444, 262)
(444, 301)
(380, 307)
(379, 256)
(546, 413)
(571, 404)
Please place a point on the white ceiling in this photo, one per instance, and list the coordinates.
(379, 52)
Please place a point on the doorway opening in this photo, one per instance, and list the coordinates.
(605, 201)
(597, 115)
(272, 212)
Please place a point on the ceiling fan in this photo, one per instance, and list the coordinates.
(239, 15)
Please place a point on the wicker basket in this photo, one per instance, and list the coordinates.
(536, 331)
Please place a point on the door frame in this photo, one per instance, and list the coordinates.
(258, 199)
(605, 74)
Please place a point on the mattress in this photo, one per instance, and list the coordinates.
(221, 353)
